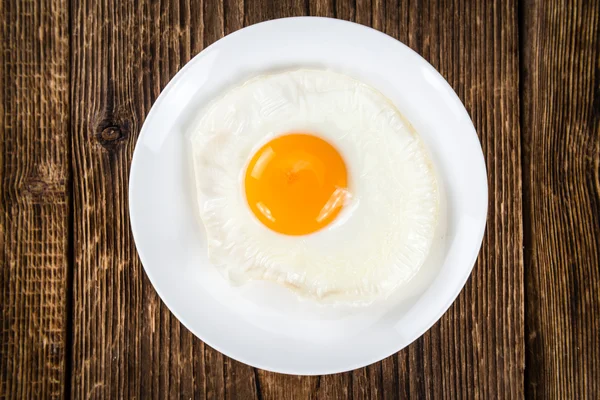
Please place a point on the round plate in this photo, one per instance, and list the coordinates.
(260, 323)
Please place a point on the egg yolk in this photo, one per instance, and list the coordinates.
(296, 184)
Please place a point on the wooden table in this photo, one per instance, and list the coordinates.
(80, 319)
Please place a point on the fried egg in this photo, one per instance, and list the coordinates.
(314, 180)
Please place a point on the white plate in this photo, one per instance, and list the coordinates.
(262, 324)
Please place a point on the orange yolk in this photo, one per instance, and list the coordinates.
(296, 184)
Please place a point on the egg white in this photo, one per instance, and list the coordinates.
(382, 236)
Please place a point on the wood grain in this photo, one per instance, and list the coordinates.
(561, 120)
(79, 77)
(126, 343)
(34, 206)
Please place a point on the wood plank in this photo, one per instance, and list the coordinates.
(34, 205)
(126, 343)
(561, 133)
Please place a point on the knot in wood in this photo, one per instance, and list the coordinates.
(46, 185)
(36, 187)
(109, 136)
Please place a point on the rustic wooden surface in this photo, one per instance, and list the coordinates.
(80, 319)
(35, 198)
(561, 140)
